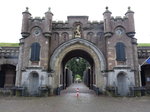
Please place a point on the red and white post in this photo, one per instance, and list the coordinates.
(77, 92)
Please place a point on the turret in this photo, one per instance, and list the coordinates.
(107, 23)
(131, 29)
(47, 23)
(25, 23)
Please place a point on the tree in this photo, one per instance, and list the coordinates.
(77, 65)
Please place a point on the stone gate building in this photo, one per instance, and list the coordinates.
(46, 46)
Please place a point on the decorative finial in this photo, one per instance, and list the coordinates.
(107, 11)
(129, 8)
(27, 8)
(49, 9)
(106, 7)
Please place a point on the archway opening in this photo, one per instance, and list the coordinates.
(73, 49)
(145, 75)
(77, 66)
(7, 75)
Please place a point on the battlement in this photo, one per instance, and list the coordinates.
(77, 18)
(111, 23)
(107, 25)
(9, 52)
(36, 19)
(87, 25)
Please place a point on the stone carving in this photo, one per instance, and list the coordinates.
(77, 32)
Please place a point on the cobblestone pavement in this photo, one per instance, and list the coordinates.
(69, 102)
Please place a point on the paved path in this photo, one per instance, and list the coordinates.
(83, 90)
(68, 102)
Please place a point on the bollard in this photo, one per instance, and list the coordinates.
(77, 92)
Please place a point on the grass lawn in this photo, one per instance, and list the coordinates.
(9, 44)
(143, 44)
(17, 44)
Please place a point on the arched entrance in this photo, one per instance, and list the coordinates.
(123, 89)
(145, 75)
(89, 76)
(34, 83)
(7, 75)
(78, 48)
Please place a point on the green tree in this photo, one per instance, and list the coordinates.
(78, 76)
(77, 65)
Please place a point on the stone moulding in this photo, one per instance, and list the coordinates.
(81, 41)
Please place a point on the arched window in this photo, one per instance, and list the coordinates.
(35, 52)
(55, 36)
(90, 35)
(120, 52)
(100, 35)
(65, 36)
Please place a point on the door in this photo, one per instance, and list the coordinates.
(34, 83)
(2, 79)
(122, 84)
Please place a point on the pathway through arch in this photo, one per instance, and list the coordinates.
(83, 90)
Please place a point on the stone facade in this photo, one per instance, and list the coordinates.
(100, 43)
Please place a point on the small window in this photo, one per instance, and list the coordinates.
(90, 35)
(35, 52)
(100, 35)
(120, 52)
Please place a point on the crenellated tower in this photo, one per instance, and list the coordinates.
(121, 48)
(34, 50)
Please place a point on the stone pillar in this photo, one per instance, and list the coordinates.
(135, 62)
(107, 32)
(19, 65)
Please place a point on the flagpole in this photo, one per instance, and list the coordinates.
(145, 61)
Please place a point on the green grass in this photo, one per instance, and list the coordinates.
(17, 44)
(144, 44)
(9, 44)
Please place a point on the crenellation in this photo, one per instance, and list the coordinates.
(118, 18)
(118, 21)
(60, 22)
(95, 22)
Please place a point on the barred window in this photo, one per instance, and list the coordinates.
(120, 52)
(35, 52)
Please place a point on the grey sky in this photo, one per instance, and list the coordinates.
(11, 14)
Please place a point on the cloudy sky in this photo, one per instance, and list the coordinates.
(11, 14)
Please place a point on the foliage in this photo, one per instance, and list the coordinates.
(77, 65)
(143, 44)
(77, 76)
(9, 44)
